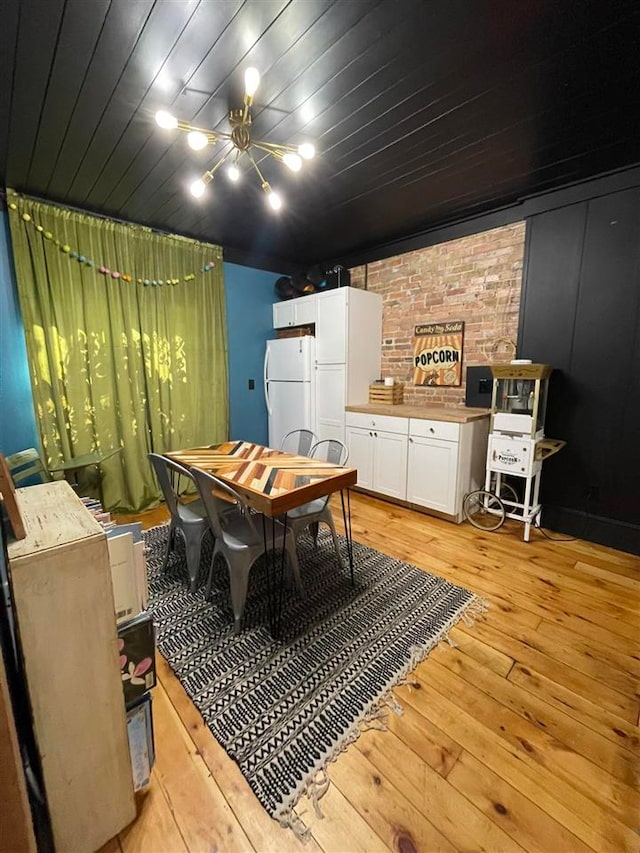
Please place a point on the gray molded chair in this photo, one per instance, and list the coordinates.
(298, 441)
(191, 519)
(238, 538)
(313, 513)
(27, 463)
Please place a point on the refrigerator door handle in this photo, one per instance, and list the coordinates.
(266, 389)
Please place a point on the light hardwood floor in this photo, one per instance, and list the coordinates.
(524, 736)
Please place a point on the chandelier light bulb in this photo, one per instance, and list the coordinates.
(166, 120)
(274, 200)
(197, 188)
(233, 173)
(292, 161)
(306, 151)
(251, 81)
(197, 140)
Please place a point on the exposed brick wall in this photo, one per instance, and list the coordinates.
(476, 279)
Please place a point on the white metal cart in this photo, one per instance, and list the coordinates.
(517, 448)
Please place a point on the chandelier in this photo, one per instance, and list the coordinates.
(237, 145)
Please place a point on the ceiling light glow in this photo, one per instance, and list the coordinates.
(274, 200)
(166, 120)
(292, 161)
(251, 81)
(306, 151)
(197, 188)
(197, 140)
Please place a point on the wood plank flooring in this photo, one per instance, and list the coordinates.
(522, 736)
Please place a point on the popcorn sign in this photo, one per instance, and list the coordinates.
(437, 355)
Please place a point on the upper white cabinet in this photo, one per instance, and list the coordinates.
(348, 346)
(348, 352)
(294, 312)
(349, 329)
(331, 326)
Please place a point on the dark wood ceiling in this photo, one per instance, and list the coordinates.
(422, 111)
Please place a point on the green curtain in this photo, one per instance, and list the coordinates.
(116, 363)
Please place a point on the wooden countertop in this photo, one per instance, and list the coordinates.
(457, 415)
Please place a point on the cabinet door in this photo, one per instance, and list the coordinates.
(283, 314)
(390, 464)
(331, 327)
(432, 471)
(361, 444)
(330, 401)
(305, 310)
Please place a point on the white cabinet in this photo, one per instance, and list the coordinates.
(431, 473)
(380, 455)
(330, 396)
(348, 345)
(360, 444)
(331, 327)
(349, 336)
(305, 310)
(390, 464)
(429, 463)
(294, 312)
(446, 460)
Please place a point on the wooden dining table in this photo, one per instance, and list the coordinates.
(272, 482)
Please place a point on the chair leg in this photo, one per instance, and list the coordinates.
(329, 521)
(239, 583)
(207, 592)
(293, 560)
(171, 541)
(193, 547)
(314, 527)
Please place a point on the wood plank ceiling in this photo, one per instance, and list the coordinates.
(422, 112)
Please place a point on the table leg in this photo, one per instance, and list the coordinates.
(346, 517)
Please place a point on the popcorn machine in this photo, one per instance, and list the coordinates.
(517, 447)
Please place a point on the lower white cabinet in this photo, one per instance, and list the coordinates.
(431, 473)
(360, 444)
(378, 449)
(390, 464)
(429, 463)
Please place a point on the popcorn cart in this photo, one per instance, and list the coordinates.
(517, 447)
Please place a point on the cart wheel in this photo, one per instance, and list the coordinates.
(484, 510)
(508, 493)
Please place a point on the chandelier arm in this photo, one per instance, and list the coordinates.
(265, 184)
(219, 163)
(277, 154)
(213, 135)
(274, 146)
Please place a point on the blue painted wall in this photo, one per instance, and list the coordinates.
(17, 421)
(250, 296)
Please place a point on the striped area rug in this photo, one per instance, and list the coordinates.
(283, 709)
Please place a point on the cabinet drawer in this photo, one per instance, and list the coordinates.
(444, 430)
(386, 423)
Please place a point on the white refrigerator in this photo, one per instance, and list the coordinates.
(289, 386)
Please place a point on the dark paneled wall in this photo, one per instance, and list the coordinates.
(580, 313)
